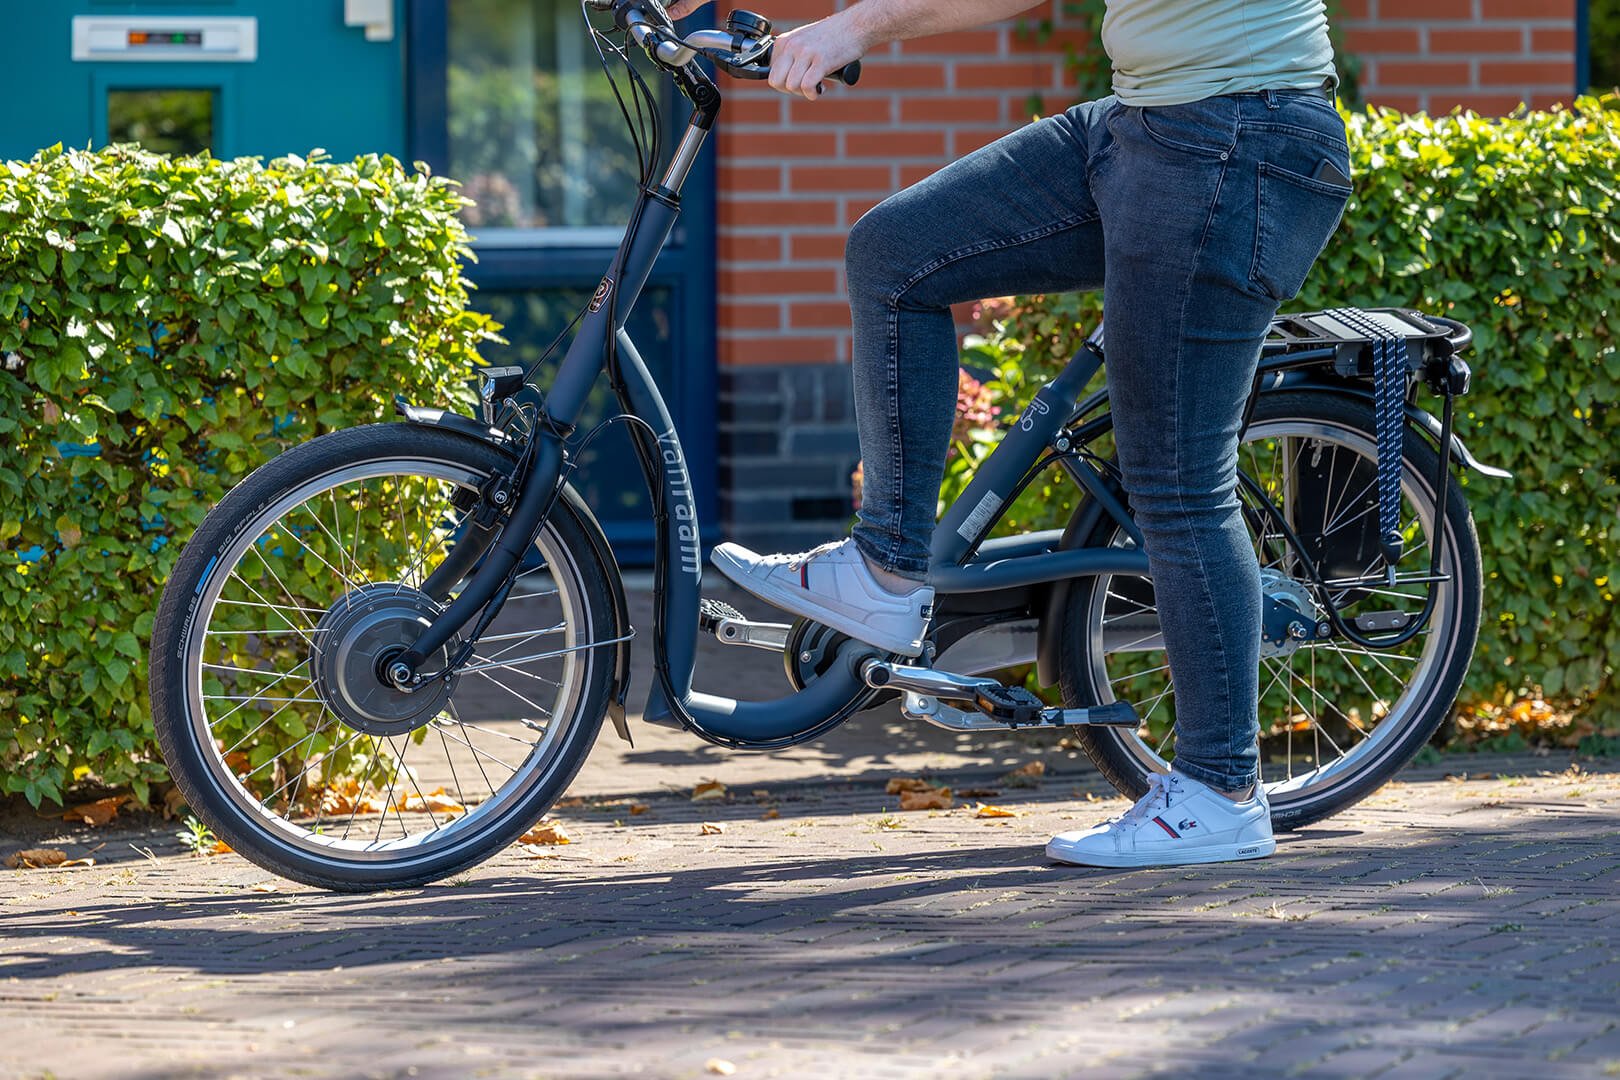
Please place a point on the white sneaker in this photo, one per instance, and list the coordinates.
(832, 585)
(1178, 821)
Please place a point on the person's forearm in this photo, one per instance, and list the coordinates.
(878, 22)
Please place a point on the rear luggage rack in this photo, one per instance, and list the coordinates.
(1430, 341)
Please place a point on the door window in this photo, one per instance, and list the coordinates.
(163, 120)
(536, 137)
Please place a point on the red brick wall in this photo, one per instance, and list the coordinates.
(795, 174)
(1487, 55)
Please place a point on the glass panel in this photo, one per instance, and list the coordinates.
(165, 121)
(535, 134)
(608, 477)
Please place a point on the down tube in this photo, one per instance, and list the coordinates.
(681, 547)
(740, 723)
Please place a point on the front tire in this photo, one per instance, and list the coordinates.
(270, 728)
(1321, 750)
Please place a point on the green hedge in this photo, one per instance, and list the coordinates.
(1510, 225)
(166, 326)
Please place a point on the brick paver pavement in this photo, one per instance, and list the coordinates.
(1444, 928)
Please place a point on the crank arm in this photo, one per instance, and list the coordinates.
(727, 624)
(917, 706)
(995, 706)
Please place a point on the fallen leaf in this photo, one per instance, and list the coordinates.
(638, 808)
(761, 793)
(770, 815)
(1026, 775)
(711, 828)
(173, 803)
(76, 862)
(708, 790)
(218, 847)
(547, 832)
(97, 813)
(901, 784)
(34, 858)
(720, 1066)
(985, 810)
(938, 799)
(434, 802)
(569, 803)
(529, 851)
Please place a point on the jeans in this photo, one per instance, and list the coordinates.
(1196, 221)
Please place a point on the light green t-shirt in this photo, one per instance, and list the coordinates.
(1168, 52)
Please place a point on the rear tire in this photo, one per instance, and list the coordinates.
(281, 839)
(1128, 758)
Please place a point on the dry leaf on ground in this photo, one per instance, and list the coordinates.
(711, 828)
(97, 813)
(569, 803)
(435, 801)
(720, 1066)
(1026, 775)
(900, 784)
(707, 790)
(34, 858)
(173, 803)
(547, 832)
(770, 815)
(638, 808)
(987, 811)
(218, 847)
(938, 799)
(529, 851)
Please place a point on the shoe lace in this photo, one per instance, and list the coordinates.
(796, 561)
(1155, 799)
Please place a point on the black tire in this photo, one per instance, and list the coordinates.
(194, 765)
(1122, 757)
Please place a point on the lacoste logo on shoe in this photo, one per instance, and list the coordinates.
(1188, 824)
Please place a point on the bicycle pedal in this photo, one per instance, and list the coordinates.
(1010, 704)
(712, 612)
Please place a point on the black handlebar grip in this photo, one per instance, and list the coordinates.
(849, 74)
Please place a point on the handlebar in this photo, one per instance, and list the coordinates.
(742, 49)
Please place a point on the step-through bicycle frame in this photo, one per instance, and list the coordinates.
(962, 561)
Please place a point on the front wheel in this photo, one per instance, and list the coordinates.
(267, 649)
(1336, 720)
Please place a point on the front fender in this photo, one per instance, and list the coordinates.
(474, 429)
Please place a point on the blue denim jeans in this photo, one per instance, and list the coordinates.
(1196, 221)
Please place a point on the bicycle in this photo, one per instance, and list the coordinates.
(436, 582)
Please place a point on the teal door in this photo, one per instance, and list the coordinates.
(259, 77)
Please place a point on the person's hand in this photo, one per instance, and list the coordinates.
(682, 8)
(804, 56)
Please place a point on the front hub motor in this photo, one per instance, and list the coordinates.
(354, 644)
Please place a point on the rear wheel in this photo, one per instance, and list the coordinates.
(267, 696)
(1336, 720)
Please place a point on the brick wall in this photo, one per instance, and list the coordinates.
(794, 176)
(1487, 55)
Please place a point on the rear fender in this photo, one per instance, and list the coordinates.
(474, 429)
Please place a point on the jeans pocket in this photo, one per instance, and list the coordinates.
(1296, 217)
(1208, 127)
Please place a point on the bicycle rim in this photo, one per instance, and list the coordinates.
(356, 791)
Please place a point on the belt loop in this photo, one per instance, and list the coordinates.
(1270, 98)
